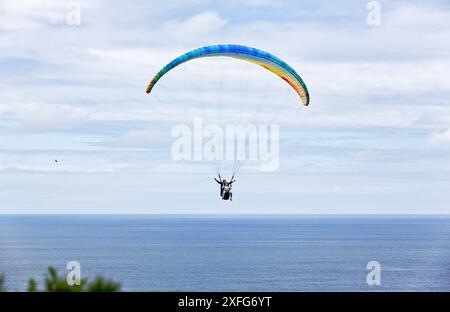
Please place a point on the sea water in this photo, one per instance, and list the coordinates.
(231, 253)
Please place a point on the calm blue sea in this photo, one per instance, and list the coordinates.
(232, 253)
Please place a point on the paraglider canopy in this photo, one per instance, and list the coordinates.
(232, 110)
(262, 58)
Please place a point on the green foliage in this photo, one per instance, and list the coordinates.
(32, 285)
(100, 284)
(2, 283)
(55, 283)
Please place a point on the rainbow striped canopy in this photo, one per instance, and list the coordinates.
(264, 59)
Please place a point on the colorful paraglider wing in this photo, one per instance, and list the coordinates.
(264, 59)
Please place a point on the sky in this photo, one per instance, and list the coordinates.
(374, 140)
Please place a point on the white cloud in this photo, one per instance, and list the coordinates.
(58, 77)
(31, 15)
(195, 27)
(67, 169)
(440, 137)
(41, 117)
(259, 3)
(142, 138)
(422, 17)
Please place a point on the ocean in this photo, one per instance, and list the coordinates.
(231, 253)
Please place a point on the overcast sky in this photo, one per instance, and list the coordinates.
(375, 138)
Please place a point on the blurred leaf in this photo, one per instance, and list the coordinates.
(54, 283)
(100, 284)
(32, 285)
(2, 283)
